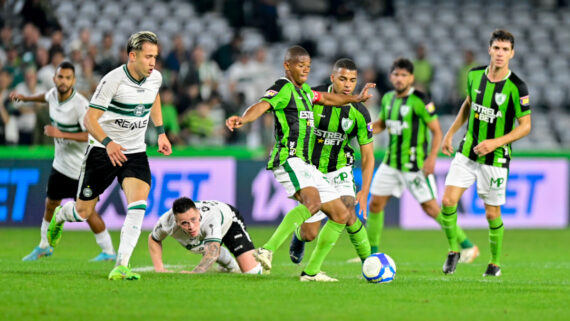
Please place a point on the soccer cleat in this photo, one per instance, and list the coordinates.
(469, 255)
(38, 253)
(354, 260)
(492, 270)
(451, 262)
(121, 272)
(264, 257)
(55, 229)
(319, 277)
(104, 257)
(296, 250)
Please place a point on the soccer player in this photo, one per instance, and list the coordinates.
(332, 155)
(202, 227)
(408, 115)
(291, 101)
(116, 121)
(496, 97)
(66, 109)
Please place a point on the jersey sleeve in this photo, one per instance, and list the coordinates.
(81, 110)
(364, 132)
(47, 94)
(159, 232)
(522, 102)
(278, 95)
(384, 108)
(104, 93)
(424, 107)
(212, 228)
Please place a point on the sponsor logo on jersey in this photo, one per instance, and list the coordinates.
(329, 138)
(485, 114)
(430, 108)
(370, 127)
(395, 127)
(306, 114)
(500, 98)
(132, 125)
(270, 93)
(404, 110)
(346, 124)
(525, 101)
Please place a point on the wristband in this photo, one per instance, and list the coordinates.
(106, 141)
(160, 129)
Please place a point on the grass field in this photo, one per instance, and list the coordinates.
(535, 284)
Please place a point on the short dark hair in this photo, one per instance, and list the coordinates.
(182, 204)
(502, 35)
(136, 40)
(66, 65)
(345, 63)
(295, 52)
(403, 63)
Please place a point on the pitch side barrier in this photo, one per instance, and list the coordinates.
(537, 190)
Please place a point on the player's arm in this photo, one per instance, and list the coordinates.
(211, 255)
(155, 250)
(435, 129)
(51, 131)
(461, 118)
(15, 97)
(330, 99)
(114, 150)
(367, 152)
(252, 113)
(164, 146)
(378, 126)
(489, 145)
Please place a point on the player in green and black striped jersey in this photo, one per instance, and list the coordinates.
(496, 97)
(291, 100)
(409, 116)
(333, 156)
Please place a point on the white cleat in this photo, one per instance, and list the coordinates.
(264, 257)
(319, 277)
(469, 255)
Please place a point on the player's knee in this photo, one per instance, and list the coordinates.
(375, 205)
(448, 201)
(309, 234)
(313, 205)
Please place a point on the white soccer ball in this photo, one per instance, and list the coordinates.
(379, 268)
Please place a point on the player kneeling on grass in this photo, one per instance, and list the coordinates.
(202, 227)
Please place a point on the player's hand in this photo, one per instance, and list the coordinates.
(115, 152)
(362, 201)
(187, 272)
(447, 146)
(429, 166)
(364, 95)
(15, 97)
(51, 131)
(234, 122)
(485, 147)
(164, 146)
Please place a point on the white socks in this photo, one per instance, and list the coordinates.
(104, 241)
(131, 231)
(67, 213)
(227, 260)
(256, 270)
(43, 234)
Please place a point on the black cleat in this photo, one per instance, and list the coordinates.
(492, 270)
(296, 250)
(451, 262)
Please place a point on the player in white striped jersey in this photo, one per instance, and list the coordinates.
(116, 121)
(202, 228)
(66, 110)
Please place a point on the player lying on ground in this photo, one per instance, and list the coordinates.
(202, 228)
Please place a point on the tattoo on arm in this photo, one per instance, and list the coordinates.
(211, 254)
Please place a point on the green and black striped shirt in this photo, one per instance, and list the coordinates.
(334, 128)
(406, 121)
(292, 108)
(494, 108)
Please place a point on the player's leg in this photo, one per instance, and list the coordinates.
(227, 263)
(375, 221)
(356, 231)
(102, 237)
(239, 243)
(307, 232)
(44, 249)
(496, 231)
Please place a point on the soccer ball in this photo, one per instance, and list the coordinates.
(379, 268)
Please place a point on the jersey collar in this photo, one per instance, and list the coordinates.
(68, 98)
(131, 78)
(506, 77)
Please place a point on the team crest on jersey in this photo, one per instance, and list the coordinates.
(404, 110)
(87, 192)
(139, 110)
(500, 98)
(346, 124)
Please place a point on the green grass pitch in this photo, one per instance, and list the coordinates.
(535, 284)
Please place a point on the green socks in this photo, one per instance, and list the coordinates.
(359, 238)
(290, 222)
(374, 225)
(449, 225)
(326, 240)
(496, 231)
(464, 242)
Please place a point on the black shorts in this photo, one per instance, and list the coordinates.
(237, 240)
(60, 186)
(97, 171)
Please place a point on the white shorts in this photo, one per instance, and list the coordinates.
(343, 182)
(390, 181)
(491, 180)
(295, 175)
